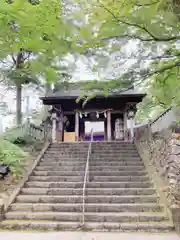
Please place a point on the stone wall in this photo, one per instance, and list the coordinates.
(155, 148)
(160, 152)
(1, 210)
(174, 169)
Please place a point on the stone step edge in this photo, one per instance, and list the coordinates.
(89, 183)
(92, 204)
(90, 196)
(164, 226)
(92, 171)
(54, 189)
(80, 161)
(118, 214)
(113, 168)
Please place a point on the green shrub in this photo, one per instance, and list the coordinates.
(13, 156)
(16, 136)
(13, 134)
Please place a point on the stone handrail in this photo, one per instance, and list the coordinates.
(164, 120)
(37, 132)
(160, 116)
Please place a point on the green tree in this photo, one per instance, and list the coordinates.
(154, 25)
(33, 38)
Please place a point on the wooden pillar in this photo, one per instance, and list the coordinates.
(53, 127)
(61, 126)
(109, 125)
(125, 125)
(105, 131)
(76, 126)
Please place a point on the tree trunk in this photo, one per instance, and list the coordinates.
(18, 104)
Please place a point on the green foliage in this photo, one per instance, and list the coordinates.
(34, 37)
(155, 24)
(13, 156)
(148, 109)
(44, 35)
(103, 86)
(18, 137)
(90, 89)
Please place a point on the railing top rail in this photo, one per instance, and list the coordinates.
(86, 173)
(159, 116)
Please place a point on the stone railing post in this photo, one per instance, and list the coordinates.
(53, 127)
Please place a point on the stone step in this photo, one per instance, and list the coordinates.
(101, 144)
(118, 147)
(114, 163)
(97, 151)
(115, 149)
(92, 217)
(112, 178)
(117, 168)
(102, 161)
(88, 199)
(151, 227)
(73, 164)
(57, 178)
(58, 173)
(61, 168)
(89, 191)
(63, 163)
(117, 173)
(93, 159)
(164, 226)
(70, 144)
(89, 185)
(82, 168)
(113, 143)
(92, 173)
(115, 156)
(100, 155)
(94, 149)
(95, 143)
(94, 179)
(90, 207)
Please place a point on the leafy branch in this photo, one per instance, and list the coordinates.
(138, 26)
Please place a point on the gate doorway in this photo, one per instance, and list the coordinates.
(98, 130)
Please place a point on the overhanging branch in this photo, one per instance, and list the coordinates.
(146, 4)
(143, 28)
(150, 74)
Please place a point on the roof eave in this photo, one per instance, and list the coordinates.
(142, 95)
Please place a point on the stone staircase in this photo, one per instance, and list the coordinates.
(119, 194)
